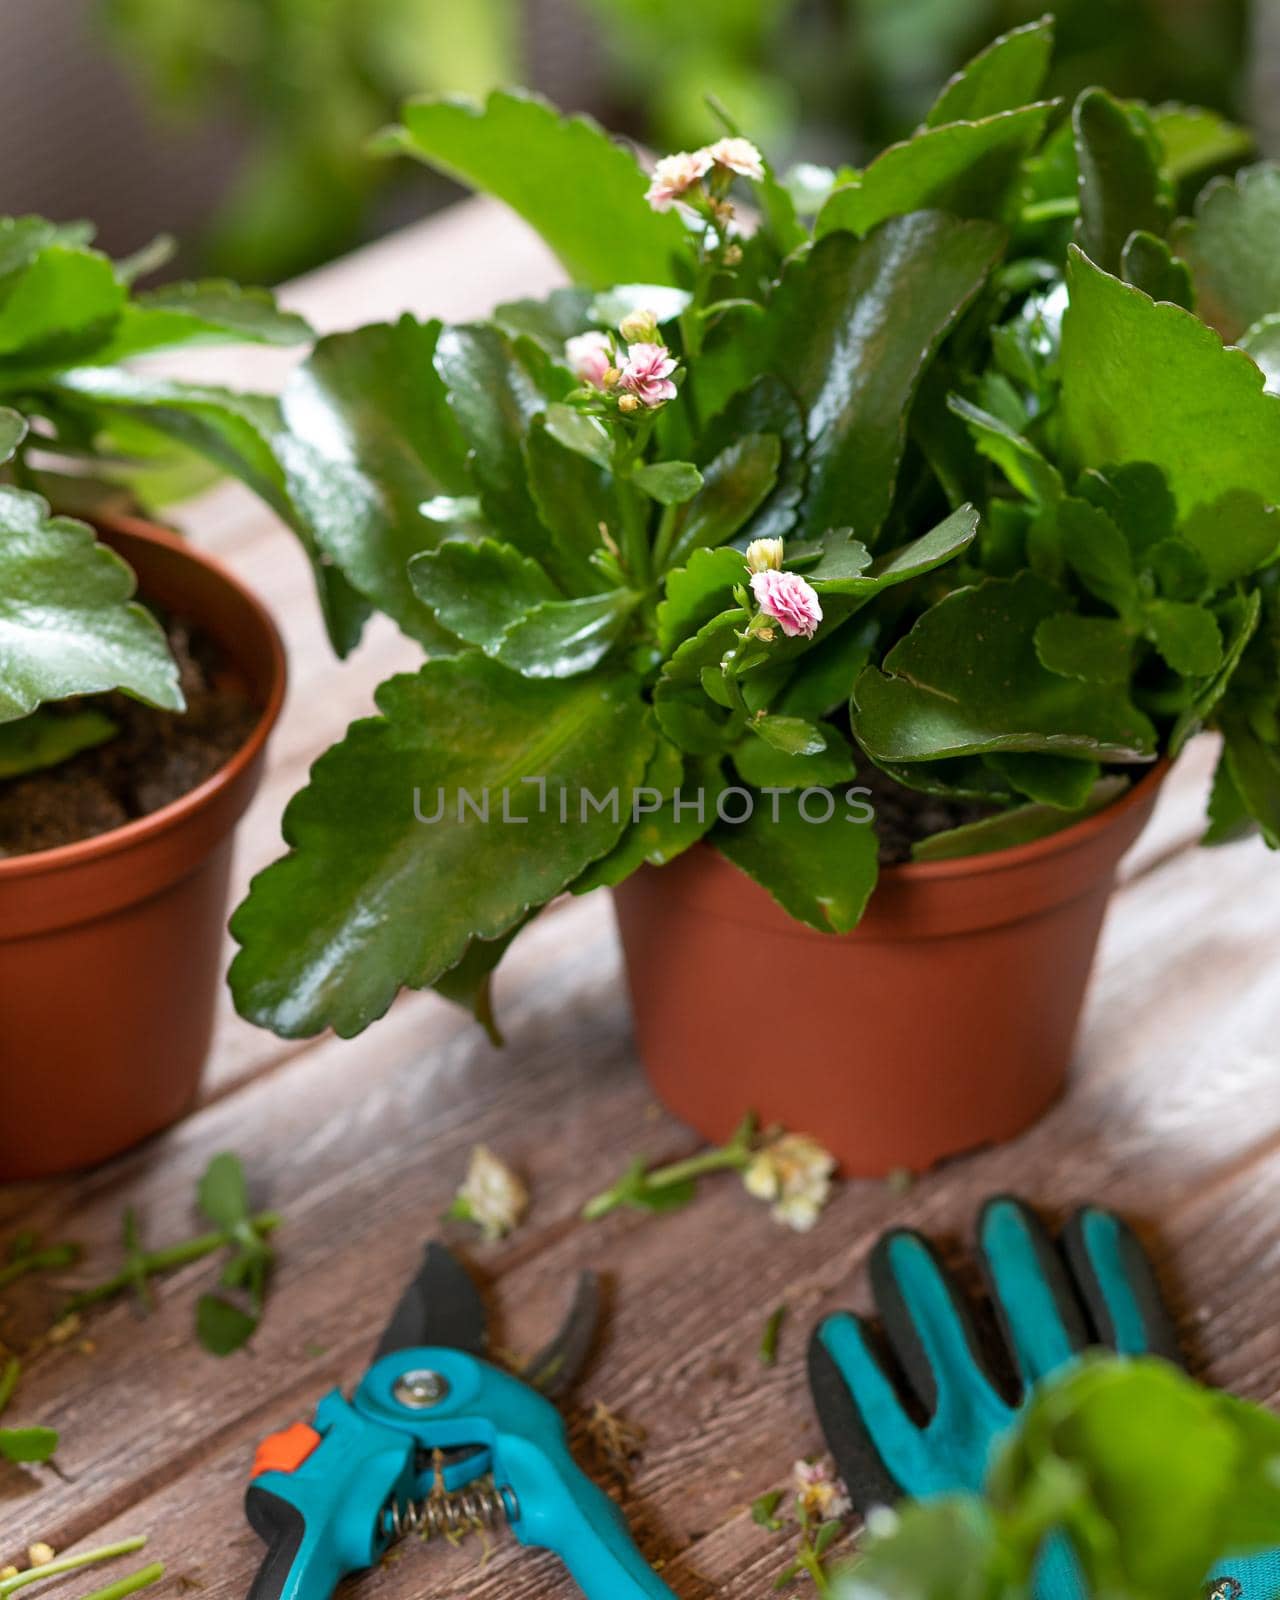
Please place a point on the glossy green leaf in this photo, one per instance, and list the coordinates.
(1150, 265)
(931, 550)
(582, 192)
(822, 680)
(476, 591)
(792, 736)
(1148, 382)
(370, 438)
(1194, 139)
(735, 484)
(842, 558)
(46, 739)
(1234, 536)
(335, 928)
(1008, 829)
(768, 766)
(854, 323)
(1097, 552)
(213, 311)
(494, 399)
(1095, 649)
(821, 871)
(469, 982)
(13, 430)
(561, 638)
(584, 435)
(27, 1445)
(222, 1193)
(1239, 618)
(222, 1327)
(618, 302)
(574, 498)
(1024, 466)
(1262, 341)
(1233, 248)
(697, 592)
(64, 304)
(551, 321)
(685, 713)
(1009, 73)
(670, 483)
(673, 810)
(942, 1549)
(970, 169)
(23, 238)
(1118, 158)
(1187, 636)
(1255, 771)
(765, 406)
(967, 680)
(69, 624)
(1228, 816)
(1136, 498)
(1056, 781)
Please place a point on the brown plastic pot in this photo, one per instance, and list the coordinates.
(944, 1021)
(110, 948)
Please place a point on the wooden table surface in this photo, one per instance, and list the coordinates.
(1173, 1116)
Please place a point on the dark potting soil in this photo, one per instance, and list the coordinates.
(155, 758)
(905, 816)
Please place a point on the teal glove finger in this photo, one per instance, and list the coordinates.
(1246, 1578)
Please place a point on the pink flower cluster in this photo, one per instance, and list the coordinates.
(646, 373)
(589, 357)
(674, 176)
(789, 600)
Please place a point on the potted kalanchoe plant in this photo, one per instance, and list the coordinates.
(835, 588)
(138, 684)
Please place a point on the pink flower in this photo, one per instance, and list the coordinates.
(589, 356)
(674, 176)
(738, 155)
(789, 600)
(647, 373)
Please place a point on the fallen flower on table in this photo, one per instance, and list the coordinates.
(492, 1196)
(818, 1503)
(790, 1170)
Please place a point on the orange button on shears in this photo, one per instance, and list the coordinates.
(286, 1450)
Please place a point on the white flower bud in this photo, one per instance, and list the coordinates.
(764, 555)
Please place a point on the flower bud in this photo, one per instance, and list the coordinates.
(732, 256)
(627, 403)
(764, 555)
(611, 378)
(639, 327)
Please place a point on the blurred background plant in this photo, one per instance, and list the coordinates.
(263, 106)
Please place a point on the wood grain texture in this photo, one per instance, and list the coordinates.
(1173, 1116)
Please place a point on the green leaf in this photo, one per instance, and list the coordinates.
(735, 484)
(855, 323)
(822, 679)
(1136, 498)
(793, 736)
(210, 312)
(697, 592)
(1229, 820)
(670, 483)
(1026, 469)
(1239, 616)
(63, 304)
(685, 714)
(821, 871)
(561, 638)
(1262, 342)
(942, 1549)
(476, 591)
(13, 430)
(1094, 649)
(1194, 139)
(494, 398)
(617, 303)
(970, 169)
(25, 1445)
(1234, 536)
(551, 321)
(222, 1327)
(1120, 185)
(1187, 636)
(764, 1508)
(469, 984)
(1009, 73)
(1233, 248)
(371, 438)
(335, 928)
(1149, 382)
(1051, 780)
(1008, 829)
(582, 192)
(765, 406)
(45, 739)
(767, 765)
(584, 435)
(68, 622)
(1150, 265)
(1255, 771)
(574, 498)
(222, 1194)
(1097, 552)
(672, 811)
(931, 550)
(842, 557)
(967, 680)
(23, 238)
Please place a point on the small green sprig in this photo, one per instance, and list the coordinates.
(22, 1445)
(670, 1187)
(27, 1255)
(769, 1338)
(88, 1558)
(222, 1325)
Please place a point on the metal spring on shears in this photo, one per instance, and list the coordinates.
(481, 1505)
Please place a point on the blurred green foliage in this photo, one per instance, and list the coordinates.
(308, 80)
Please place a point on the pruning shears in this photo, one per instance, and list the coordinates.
(436, 1439)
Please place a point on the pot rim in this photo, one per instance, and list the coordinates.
(67, 856)
(1016, 855)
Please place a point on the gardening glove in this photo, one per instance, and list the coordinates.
(1098, 1290)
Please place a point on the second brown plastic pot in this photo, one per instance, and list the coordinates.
(110, 948)
(944, 1021)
